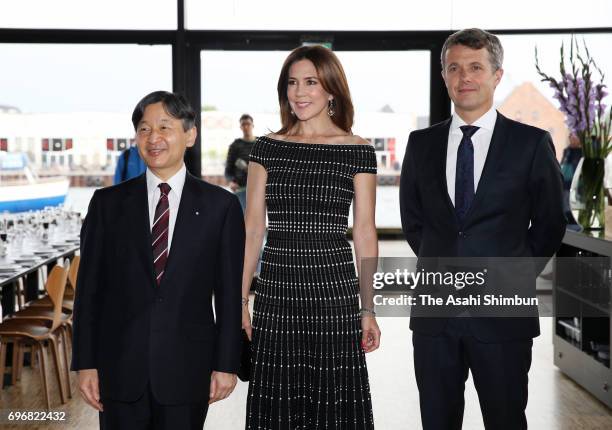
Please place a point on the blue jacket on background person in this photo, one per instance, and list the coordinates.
(135, 166)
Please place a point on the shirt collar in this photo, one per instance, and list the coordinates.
(486, 122)
(176, 182)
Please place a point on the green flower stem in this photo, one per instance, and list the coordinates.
(593, 194)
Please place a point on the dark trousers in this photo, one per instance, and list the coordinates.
(499, 371)
(147, 414)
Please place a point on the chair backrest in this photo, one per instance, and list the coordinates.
(55, 286)
(74, 271)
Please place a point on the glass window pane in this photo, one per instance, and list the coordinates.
(390, 92)
(69, 78)
(318, 15)
(68, 108)
(81, 14)
(529, 14)
(232, 84)
(387, 15)
(522, 96)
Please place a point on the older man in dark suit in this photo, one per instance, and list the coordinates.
(149, 350)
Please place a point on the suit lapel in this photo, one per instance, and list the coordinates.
(440, 139)
(137, 209)
(489, 171)
(191, 208)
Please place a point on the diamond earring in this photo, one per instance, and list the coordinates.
(331, 107)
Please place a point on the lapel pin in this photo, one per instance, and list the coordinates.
(197, 213)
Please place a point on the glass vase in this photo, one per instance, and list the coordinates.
(587, 197)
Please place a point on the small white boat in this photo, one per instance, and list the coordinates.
(22, 190)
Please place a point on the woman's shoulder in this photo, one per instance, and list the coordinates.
(339, 139)
(262, 141)
(357, 140)
(272, 138)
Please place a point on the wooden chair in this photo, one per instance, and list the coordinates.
(72, 275)
(68, 301)
(36, 333)
(20, 294)
(47, 315)
(58, 275)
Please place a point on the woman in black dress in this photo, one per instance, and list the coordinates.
(309, 331)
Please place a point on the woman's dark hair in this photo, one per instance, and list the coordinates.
(175, 105)
(332, 78)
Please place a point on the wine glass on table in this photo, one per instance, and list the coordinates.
(3, 231)
(45, 222)
(3, 237)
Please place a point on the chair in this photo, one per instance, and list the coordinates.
(47, 314)
(68, 302)
(73, 274)
(20, 294)
(35, 332)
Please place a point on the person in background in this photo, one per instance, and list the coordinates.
(569, 161)
(129, 165)
(238, 159)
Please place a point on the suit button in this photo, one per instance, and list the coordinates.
(160, 299)
(461, 234)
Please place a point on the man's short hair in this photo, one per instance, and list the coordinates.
(476, 38)
(175, 105)
(246, 116)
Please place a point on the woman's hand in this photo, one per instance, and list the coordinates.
(370, 338)
(246, 321)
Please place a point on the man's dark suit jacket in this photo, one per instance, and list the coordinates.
(135, 332)
(517, 210)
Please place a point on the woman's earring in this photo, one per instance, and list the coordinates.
(330, 107)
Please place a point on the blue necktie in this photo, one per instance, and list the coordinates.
(464, 176)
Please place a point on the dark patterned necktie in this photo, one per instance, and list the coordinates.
(464, 175)
(160, 232)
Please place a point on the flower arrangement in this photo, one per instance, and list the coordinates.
(581, 100)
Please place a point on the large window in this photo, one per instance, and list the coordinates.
(529, 14)
(68, 108)
(90, 14)
(233, 83)
(522, 96)
(318, 15)
(387, 15)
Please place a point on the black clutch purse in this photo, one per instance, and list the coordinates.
(244, 372)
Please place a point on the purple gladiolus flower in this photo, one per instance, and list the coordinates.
(581, 98)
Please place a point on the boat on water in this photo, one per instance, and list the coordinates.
(22, 190)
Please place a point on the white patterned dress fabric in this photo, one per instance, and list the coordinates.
(308, 366)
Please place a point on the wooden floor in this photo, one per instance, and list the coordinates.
(555, 402)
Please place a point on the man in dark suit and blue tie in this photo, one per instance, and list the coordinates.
(150, 350)
(478, 185)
